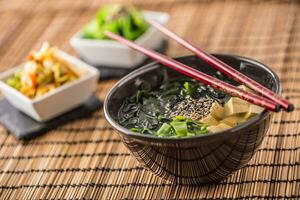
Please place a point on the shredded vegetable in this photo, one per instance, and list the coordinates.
(42, 73)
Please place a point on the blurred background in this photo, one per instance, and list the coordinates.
(86, 159)
(259, 29)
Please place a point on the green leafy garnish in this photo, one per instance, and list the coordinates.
(139, 95)
(181, 126)
(190, 89)
(165, 130)
(162, 118)
(15, 80)
(135, 130)
(126, 21)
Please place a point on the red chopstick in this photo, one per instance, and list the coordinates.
(226, 69)
(200, 76)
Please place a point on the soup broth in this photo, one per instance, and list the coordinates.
(183, 107)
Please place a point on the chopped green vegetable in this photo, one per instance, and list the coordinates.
(190, 89)
(180, 118)
(165, 130)
(139, 95)
(181, 126)
(126, 21)
(91, 30)
(135, 130)
(162, 118)
(14, 82)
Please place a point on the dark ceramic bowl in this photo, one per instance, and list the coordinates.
(199, 159)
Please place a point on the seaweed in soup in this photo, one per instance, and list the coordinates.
(150, 108)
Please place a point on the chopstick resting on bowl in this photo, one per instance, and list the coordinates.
(226, 69)
(200, 76)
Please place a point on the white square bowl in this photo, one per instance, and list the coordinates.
(113, 54)
(61, 99)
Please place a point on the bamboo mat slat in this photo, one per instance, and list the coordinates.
(85, 159)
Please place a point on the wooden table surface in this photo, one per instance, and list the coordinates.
(85, 159)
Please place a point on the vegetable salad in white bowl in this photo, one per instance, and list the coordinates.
(51, 82)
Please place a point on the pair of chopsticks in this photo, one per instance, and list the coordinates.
(268, 100)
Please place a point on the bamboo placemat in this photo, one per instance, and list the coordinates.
(86, 160)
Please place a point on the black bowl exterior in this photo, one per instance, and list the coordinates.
(200, 159)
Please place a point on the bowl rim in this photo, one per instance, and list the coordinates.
(148, 137)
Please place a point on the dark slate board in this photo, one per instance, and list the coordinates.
(24, 127)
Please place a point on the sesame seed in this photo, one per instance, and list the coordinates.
(195, 109)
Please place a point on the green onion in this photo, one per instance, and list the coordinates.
(189, 88)
(180, 128)
(135, 130)
(165, 130)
